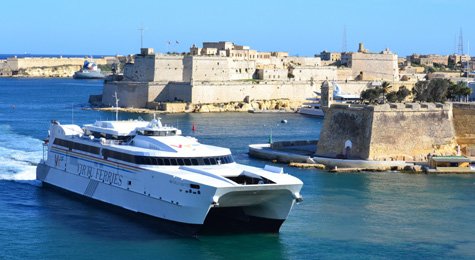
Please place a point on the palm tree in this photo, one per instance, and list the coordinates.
(386, 86)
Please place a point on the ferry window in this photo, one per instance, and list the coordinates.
(148, 160)
(194, 162)
(166, 161)
(187, 161)
(180, 161)
(159, 161)
(212, 160)
(206, 160)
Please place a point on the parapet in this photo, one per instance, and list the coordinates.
(146, 51)
(416, 107)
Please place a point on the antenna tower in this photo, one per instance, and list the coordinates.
(460, 46)
(343, 45)
(141, 29)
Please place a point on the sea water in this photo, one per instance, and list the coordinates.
(351, 215)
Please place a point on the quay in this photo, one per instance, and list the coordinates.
(410, 137)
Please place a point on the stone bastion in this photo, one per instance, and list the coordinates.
(408, 132)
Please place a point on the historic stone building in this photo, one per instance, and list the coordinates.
(225, 72)
(374, 66)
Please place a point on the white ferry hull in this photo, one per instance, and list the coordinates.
(150, 170)
(234, 209)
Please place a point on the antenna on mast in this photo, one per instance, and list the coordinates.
(141, 29)
(343, 46)
(116, 106)
(460, 46)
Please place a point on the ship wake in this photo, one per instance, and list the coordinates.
(19, 155)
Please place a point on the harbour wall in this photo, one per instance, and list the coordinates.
(464, 124)
(388, 132)
(138, 94)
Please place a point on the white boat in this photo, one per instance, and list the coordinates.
(89, 71)
(312, 109)
(154, 171)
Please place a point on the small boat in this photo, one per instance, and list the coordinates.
(151, 170)
(89, 71)
(312, 109)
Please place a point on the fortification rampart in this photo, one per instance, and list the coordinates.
(388, 132)
(138, 94)
(464, 124)
(130, 94)
(218, 92)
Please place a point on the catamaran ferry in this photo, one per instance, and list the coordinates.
(152, 170)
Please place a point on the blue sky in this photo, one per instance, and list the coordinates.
(297, 26)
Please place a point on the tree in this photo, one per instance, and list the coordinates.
(458, 90)
(402, 93)
(385, 88)
(371, 95)
(434, 90)
(392, 97)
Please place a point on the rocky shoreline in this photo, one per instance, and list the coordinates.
(254, 106)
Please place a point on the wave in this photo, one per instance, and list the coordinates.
(19, 155)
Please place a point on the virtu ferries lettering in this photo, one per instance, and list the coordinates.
(99, 174)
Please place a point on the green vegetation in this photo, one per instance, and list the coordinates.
(105, 67)
(434, 90)
(381, 94)
(440, 90)
(372, 95)
(385, 86)
(457, 91)
(398, 96)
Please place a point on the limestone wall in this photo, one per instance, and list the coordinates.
(209, 92)
(170, 92)
(130, 94)
(24, 63)
(388, 132)
(168, 68)
(272, 74)
(411, 131)
(344, 74)
(464, 124)
(203, 68)
(142, 70)
(199, 68)
(343, 123)
(304, 73)
(375, 66)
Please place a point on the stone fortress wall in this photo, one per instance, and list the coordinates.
(374, 66)
(225, 72)
(387, 132)
(464, 124)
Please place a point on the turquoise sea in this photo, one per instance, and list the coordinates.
(343, 216)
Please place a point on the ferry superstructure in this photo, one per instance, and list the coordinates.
(154, 171)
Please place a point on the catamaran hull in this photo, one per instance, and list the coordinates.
(229, 210)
